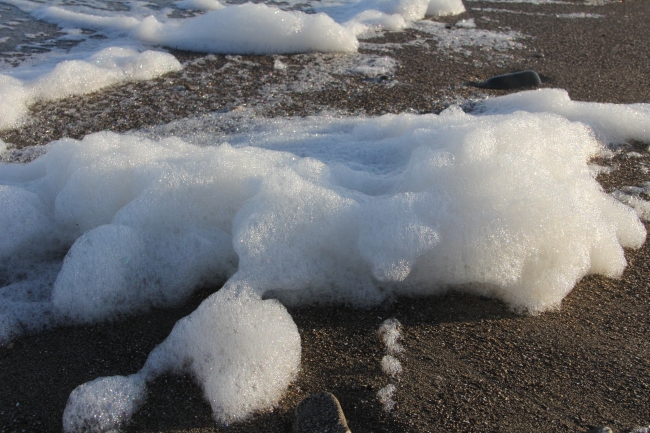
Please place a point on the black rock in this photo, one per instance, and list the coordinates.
(320, 413)
(516, 80)
(604, 429)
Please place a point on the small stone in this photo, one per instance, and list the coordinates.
(320, 413)
(604, 429)
(516, 80)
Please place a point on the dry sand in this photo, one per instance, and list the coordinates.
(469, 363)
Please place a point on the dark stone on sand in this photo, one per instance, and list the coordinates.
(516, 80)
(604, 429)
(320, 413)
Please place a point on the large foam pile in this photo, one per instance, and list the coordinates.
(338, 210)
(76, 77)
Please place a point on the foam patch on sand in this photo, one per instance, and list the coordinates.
(501, 203)
(76, 77)
(250, 29)
(290, 27)
(244, 351)
(104, 404)
(612, 123)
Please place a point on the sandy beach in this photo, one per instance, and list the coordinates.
(469, 364)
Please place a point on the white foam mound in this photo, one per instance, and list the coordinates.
(245, 28)
(23, 220)
(242, 350)
(448, 199)
(250, 29)
(76, 77)
(613, 123)
(104, 404)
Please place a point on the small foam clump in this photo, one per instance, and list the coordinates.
(466, 24)
(391, 365)
(385, 396)
(375, 66)
(390, 336)
(242, 350)
(77, 77)
(103, 405)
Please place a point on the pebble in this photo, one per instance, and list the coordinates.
(604, 429)
(516, 80)
(320, 413)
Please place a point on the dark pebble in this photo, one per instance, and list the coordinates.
(516, 80)
(600, 430)
(320, 413)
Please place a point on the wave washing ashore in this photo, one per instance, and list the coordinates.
(497, 199)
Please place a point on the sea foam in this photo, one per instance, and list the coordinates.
(243, 28)
(502, 203)
(76, 77)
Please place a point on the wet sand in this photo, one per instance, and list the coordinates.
(470, 364)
